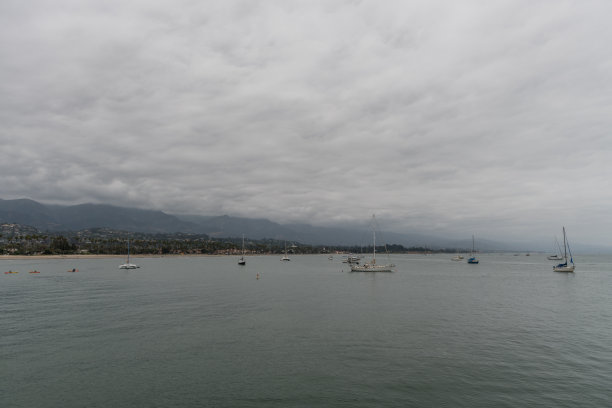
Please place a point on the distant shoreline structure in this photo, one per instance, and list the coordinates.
(106, 256)
(141, 256)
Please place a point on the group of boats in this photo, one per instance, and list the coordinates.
(126, 265)
(562, 267)
(11, 272)
(471, 260)
(372, 266)
(352, 260)
(242, 261)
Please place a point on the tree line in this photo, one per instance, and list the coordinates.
(115, 243)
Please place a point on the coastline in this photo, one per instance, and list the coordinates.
(122, 256)
(99, 256)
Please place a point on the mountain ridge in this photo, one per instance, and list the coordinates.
(51, 217)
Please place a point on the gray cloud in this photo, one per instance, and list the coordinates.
(441, 116)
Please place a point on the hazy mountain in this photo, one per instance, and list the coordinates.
(83, 216)
(77, 217)
(27, 212)
(226, 226)
(129, 219)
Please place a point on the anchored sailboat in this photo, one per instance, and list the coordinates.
(372, 266)
(564, 267)
(555, 257)
(128, 265)
(241, 261)
(285, 258)
(472, 259)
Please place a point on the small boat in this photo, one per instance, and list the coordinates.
(372, 266)
(472, 259)
(241, 261)
(34, 271)
(351, 259)
(565, 267)
(555, 257)
(457, 258)
(9, 272)
(72, 270)
(128, 265)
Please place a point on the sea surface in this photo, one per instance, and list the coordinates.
(205, 332)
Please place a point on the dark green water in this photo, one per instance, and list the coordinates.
(194, 332)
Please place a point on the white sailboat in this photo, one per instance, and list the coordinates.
(128, 265)
(565, 267)
(372, 266)
(242, 261)
(555, 257)
(351, 259)
(285, 258)
(472, 259)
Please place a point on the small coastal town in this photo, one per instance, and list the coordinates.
(23, 240)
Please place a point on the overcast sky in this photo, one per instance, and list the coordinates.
(448, 117)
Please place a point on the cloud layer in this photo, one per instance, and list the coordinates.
(447, 117)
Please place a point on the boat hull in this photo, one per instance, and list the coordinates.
(372, 268)
(563, 268)
(129, 266)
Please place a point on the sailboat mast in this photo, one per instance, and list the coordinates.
(564, 246)
(374, 233)
(374, 237)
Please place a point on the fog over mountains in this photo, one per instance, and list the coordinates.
(83, 216)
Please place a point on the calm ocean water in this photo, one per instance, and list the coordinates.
(195, 332)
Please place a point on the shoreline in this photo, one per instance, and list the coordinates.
(101, 256)
(123, 256)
